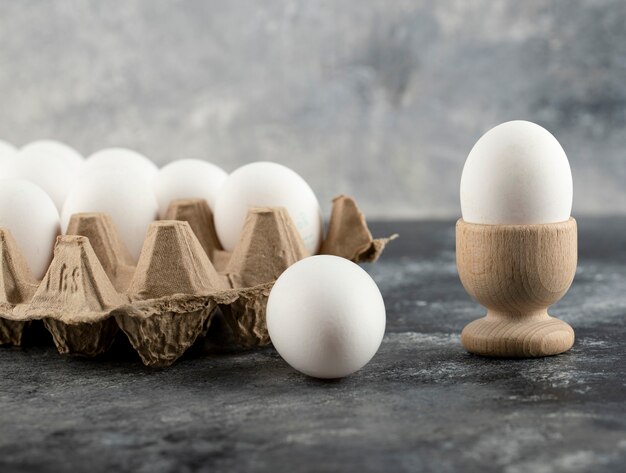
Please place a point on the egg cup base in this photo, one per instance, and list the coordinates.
(511, 337)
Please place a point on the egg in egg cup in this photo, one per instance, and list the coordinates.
(516, 245)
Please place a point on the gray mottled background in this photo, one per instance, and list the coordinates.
(378, 99)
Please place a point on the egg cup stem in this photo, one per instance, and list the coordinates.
(517, 272)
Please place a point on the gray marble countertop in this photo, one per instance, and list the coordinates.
(422, 404)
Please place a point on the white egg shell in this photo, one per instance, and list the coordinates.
(54, 148)
(126, 197)
(516, 173)
(7, 155)
(326, 316)
(33, 220)
(7, 150)
(54, 174)
(266, 184)
(188, 179)
(121, 159)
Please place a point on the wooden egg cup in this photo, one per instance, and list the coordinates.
(517, 272)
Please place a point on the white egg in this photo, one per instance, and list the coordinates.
(54, 148)
(265, 184)
(126, 197)
(188, 179)
(54, 174)
(326, 316)
(6, 149)
(33, 220)
(516, 173)
(120, 159)
(7, 154)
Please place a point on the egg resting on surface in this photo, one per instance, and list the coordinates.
(121, 159)
(54, 148)
(33, 220)
(267, 184)
(516, 173)
(326, 316)
(54, 174)
(126, 197)
(188, 179)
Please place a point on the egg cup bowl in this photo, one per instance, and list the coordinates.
(517, 272)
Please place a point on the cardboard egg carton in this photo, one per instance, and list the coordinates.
(165, 302)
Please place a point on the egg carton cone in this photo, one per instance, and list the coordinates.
(17, 286)
(164, 303)
(348, 235)
(200, 218)
(115, 258)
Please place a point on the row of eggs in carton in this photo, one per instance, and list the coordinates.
(130, 188)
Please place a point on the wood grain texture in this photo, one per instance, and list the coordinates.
(517, 272)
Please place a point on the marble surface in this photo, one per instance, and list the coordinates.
(422, 404)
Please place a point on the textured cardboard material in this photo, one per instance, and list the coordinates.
(115, 258)
(166, 302)
(348, 235)
(16, 287)
(200, 218)
(75, 299)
